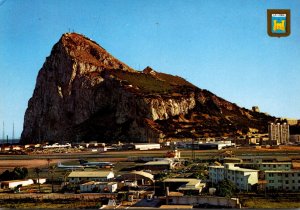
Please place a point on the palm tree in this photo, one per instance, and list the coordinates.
(65, 176)
(48, 162)
(37, 172)
(52, 172)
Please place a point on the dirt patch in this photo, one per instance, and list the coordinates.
(11, 164)
(280, 148)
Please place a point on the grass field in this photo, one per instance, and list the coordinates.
(270, 203)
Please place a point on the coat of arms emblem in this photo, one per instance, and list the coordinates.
(279, 22)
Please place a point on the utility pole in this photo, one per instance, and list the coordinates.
(13, 133)
(3, 134)
(193, 149)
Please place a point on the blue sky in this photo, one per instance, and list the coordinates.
(217, 45)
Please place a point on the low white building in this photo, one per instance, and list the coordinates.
(283, 180)
(56, 145)
(185, 185)
(146, 146)
(98, 187)
(243, 178)
(209, 145)
(40, 180)
(14, 183)
(161, 164)
(139, 177)
(97, 176)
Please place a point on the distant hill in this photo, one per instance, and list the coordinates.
(83, 93)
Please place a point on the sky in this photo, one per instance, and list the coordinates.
(218, 45)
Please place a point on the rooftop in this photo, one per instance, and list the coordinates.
(12, 181)
(143, 173)
(191, 184)
(77, 174)
(289, 171)
(95, 183)
(161, 162)
(176, 207)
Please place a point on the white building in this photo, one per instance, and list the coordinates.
(56, 145)
(185, 185)
(283, 180)
(98, 176)
(279, 133)
(98, 187)
(146, 146)
(243, 178)
(14, 183)
(209, 145)
(40, 180)
(162, 164)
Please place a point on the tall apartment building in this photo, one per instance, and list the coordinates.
(243, 178)
(283, 180)
(279, 133)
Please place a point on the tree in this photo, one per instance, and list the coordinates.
(37, 172)
(17, 173)
(5, 176)
(52, 172)
(226, 188)
(48, 162)
(199, 175)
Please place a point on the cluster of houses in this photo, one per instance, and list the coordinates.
(256, 175)
(246, 176)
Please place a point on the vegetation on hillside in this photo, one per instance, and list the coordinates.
(149, 84)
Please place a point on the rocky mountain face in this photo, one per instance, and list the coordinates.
(83, 93)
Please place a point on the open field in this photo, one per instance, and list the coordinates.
(33, 161)
(270, 203)
(51, 200)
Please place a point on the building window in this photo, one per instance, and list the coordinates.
(271, 181)
(271, 174)
(280, 181)
(292, 175)
(287, 188)
(279, 174)
(286, 181)
(286, 175)
(293, 181)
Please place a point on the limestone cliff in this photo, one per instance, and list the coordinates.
(84, 93)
